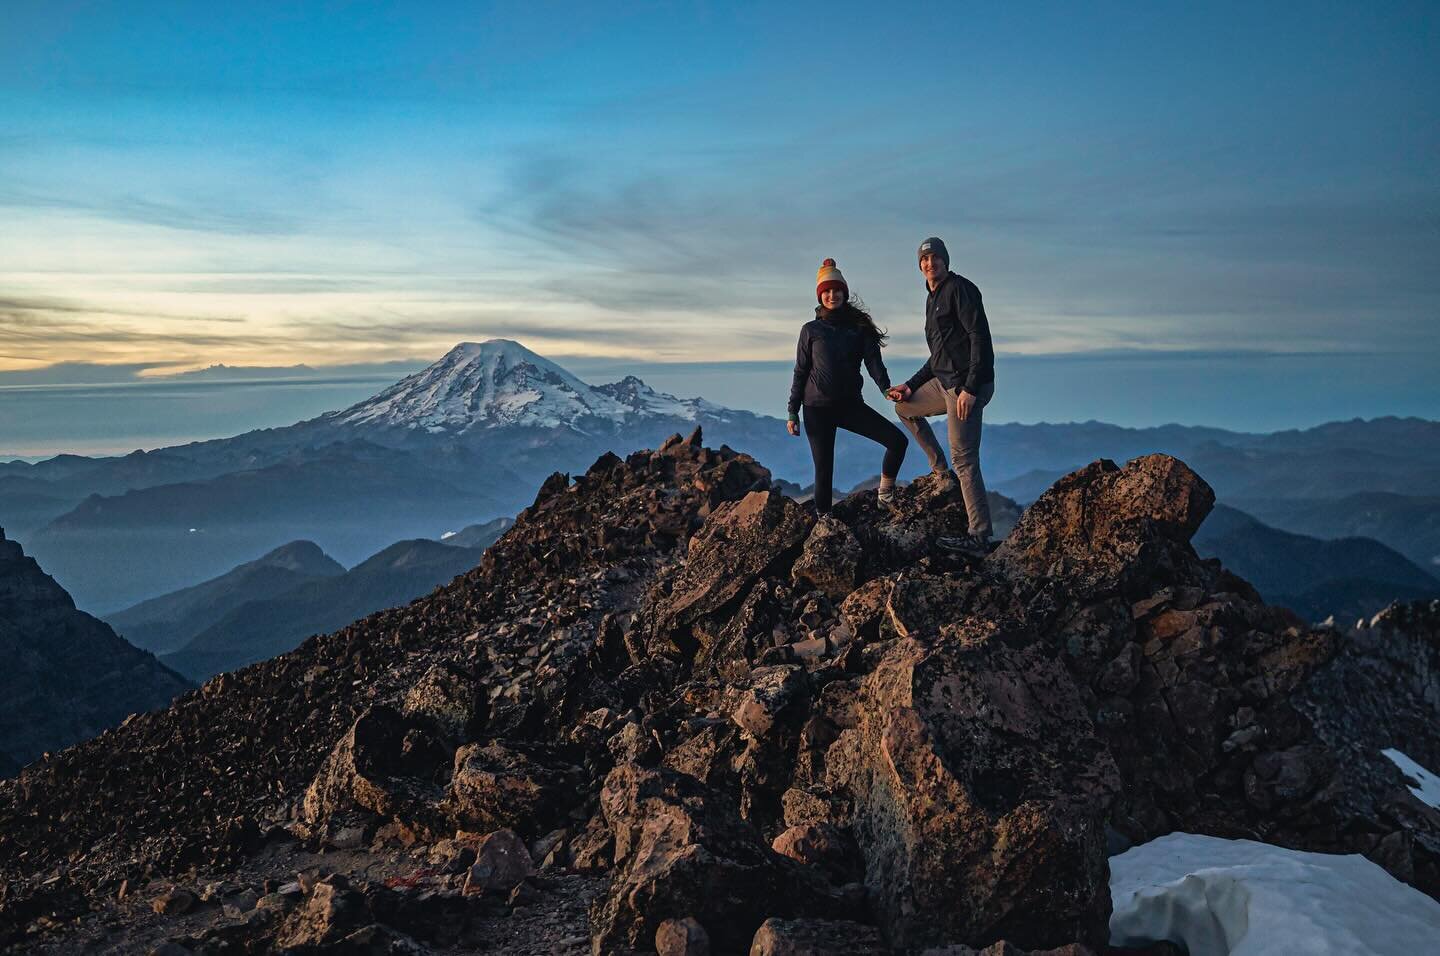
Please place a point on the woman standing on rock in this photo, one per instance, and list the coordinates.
(827, 382)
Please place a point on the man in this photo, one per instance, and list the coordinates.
(958, 382)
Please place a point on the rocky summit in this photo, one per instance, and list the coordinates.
(672, 712)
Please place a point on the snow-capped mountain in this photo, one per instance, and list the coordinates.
(500, 383)
(641, 399)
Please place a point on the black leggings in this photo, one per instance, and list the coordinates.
(820, 424)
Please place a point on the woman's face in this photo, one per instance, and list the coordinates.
(832, 298)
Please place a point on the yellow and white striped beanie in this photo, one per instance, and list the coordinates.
(829, 277)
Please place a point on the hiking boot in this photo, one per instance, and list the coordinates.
(964, 544)
(885, 498)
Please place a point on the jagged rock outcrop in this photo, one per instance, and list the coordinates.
(980, 791)
(670, 708)
(67, 675)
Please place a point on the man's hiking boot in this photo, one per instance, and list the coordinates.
(885, 498)
(965, 544)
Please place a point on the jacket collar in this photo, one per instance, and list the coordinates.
(929, 291)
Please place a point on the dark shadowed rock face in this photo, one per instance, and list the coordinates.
(66, 675)
(670, 709)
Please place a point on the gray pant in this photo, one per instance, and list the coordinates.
(932, 398)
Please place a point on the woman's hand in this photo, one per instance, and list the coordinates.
(793, 427)
(899, 393)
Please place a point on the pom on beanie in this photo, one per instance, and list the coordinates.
(829, 277)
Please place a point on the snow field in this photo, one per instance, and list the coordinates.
(1222, 897)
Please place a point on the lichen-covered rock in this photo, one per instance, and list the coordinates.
(980, 794)
(445, 695)
(683, 851)
(739, 542)
(830, 559)
(496, 787)
(821, 845)
(1105, 528)
(772, 691)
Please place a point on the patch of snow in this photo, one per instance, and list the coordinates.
(1241, 898)
(1427, 789)
(448, 534)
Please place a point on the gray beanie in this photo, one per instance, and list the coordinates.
(937, 245)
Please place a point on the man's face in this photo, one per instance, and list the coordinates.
(933, 267)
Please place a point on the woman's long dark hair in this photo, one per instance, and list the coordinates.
(854, 314)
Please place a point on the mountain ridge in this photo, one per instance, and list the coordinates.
(665, 645)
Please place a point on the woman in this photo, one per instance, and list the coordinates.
(827, 382)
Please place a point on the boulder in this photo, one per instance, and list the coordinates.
(1105, 528)
(682, 851)
(383, 765)
(813, 937)
(494, 787)
(773, 692)
(682, 937)
(502, 862)
(446, 696)
(830, 559)
(980, 794)
(740, 541)
(331, 912)
(821, 845)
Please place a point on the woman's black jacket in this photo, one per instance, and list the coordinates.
(827, 360)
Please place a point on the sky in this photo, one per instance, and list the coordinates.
(1220, 186)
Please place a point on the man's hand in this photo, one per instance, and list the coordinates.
(793, 427)
(964, 402)
(898, 393)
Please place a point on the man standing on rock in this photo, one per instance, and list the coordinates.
(957, 382)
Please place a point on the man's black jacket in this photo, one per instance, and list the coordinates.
(961, 355)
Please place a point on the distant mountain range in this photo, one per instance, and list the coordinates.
(268, 606)
(471, 437)
(467, 439)
(169, 622)
(1347, 578)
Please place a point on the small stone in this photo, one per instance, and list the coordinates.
(501, 862)
(809, 650)
(240, 903)
(169, 948)
(274, 901)
(524, 894)
(173, 902)
(682, 937)
(347, 838)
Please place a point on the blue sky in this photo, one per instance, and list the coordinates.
(267, 184)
